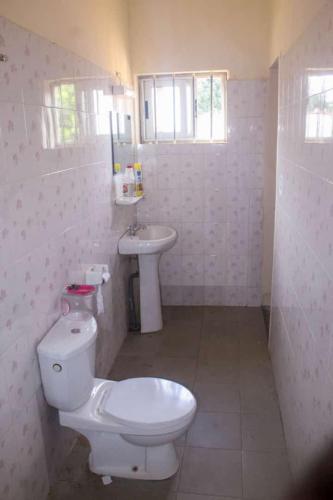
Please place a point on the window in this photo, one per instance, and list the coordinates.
(319, 110)
(64, 96)
(183, 107)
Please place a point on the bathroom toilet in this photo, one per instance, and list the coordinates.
(131, 425)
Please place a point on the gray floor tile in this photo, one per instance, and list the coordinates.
(223, 315)
(258, 396)
(127, 366)
(211, 472)
(179, 327)
(217, 373)
(221, 354)
(256, 368)
(136, 344)
(192, 314)
(180, 342)
(248, 316)
(248, 332)
(265, 475)
(219, 351)
(255, 352)
(124, 489)
(215, 430)
(219, 397)
(193, 496)
(220, 327)
(262, 432)
(181, 370)
(215, 338)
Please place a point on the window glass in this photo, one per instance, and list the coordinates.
(184, 118)
(218, 109)
(183, 107)
(203, 108)
(319, 110)
(165, 124)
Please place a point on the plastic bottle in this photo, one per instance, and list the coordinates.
(118, 180)
(129, 181)
(138, 179)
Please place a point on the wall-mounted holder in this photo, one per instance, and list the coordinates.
(98, 274)
(122, 90)
(128, 200)
(3, 58)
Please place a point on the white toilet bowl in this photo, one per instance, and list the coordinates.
(131, 426)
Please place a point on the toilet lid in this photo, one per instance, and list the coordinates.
(149, 402)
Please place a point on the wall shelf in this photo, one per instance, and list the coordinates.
(128, 200)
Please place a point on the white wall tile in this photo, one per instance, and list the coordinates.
(212, 195)
(192, 238)
(56, 219)
(301, 333)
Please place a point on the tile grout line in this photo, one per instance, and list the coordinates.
(241, 409)
(194, 381)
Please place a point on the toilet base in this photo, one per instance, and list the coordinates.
(112, 456)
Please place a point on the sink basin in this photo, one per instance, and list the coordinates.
(150, 239)
(148, 243)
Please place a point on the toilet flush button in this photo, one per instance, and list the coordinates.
(56, 367)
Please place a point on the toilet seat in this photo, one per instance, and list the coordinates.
(92, 416)
(148, 402)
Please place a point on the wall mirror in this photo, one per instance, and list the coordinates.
(122, 139)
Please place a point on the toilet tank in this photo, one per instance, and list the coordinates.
(67, 360)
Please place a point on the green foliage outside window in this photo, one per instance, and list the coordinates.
(64, 96)
(203, 94)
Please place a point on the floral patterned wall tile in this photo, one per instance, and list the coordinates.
(56, 218)
(301, 336)
(213, 195)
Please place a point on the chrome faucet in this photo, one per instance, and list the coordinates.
(134, 228)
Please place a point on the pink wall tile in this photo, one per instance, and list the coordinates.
(302, 294)
(56, 218)
(212, 194)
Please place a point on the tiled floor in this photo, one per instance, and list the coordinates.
(235, 448)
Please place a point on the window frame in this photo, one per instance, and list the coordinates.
(191, 140)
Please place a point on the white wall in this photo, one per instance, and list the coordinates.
(289, 19)
(190, 35)
(95, 30)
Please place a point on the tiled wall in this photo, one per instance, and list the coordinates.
(301, 337)
(213, 196)
(56, 218)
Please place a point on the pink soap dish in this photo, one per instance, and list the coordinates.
(80, 289)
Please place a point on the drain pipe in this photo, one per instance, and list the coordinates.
(133, 309)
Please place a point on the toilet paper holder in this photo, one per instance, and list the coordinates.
(97, 274)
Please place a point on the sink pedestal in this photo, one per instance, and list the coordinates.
(150, 295)
(148, 242)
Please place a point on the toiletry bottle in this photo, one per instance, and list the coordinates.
(138, 179)
(129, 181)
(118, 180)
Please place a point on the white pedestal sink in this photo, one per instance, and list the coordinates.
(148, 243)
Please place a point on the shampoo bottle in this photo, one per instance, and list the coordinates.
(118, 180)
(138, 179)
(129, 182)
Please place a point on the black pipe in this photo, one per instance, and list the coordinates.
(133, 311)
